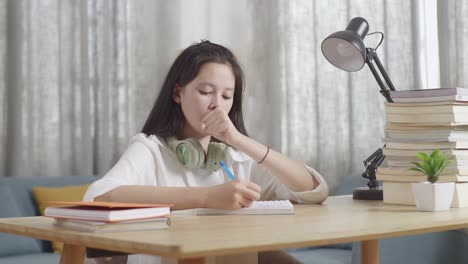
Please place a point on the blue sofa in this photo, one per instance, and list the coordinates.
(16, 200)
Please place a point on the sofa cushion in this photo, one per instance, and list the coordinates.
(41, 258)
(42, 195)
(11, 244)
(20, 189)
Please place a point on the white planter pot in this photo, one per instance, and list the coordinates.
(433, 196)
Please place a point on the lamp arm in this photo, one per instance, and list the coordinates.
(373, 161)
(371, 164)
(383, 71)
(371, 55)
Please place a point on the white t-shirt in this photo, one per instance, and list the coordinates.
(149, 161)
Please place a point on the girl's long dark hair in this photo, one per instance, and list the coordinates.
(166, 118)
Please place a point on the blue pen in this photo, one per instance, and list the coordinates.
(226, 170)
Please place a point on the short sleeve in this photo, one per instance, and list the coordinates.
(273, 189)
(135, 167)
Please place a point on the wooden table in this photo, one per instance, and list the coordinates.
(339, 219)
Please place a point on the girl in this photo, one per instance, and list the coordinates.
(195, 122)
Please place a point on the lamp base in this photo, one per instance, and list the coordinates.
(366, 193)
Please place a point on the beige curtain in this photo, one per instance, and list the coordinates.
(77, 78)
(453, 37)
(80, 79)
(306, 107)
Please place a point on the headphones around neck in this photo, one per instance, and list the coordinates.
(190, 153)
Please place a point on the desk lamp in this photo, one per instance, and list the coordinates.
(346, 50)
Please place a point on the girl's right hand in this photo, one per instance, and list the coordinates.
(232, 195)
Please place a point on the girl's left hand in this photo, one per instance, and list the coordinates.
(218, 124)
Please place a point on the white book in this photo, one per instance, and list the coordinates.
(257, 208)
(423, 139)
(400, 193)
(430, 124)
(457, 98)
(428, 145)
(430, 95)
(404, 171)
(413, 152)
(427, 118)
(428, 136)
(415, 127)
(419, 178)
(123, 226)
(426, 108)
(414, 158)
(407, 163)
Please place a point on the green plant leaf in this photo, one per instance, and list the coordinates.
(432, 165)
(418, 165)
(417, 169)
(442, 167)
(427, 169)
(422, 156)
(438, 161)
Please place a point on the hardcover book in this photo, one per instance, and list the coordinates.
(428, 145)
(430, 95)
(428, 118)
(106, 211)
(122, 226)
(427, 108)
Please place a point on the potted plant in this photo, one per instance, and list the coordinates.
(432, 195)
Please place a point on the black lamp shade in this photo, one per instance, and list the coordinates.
(346, 49)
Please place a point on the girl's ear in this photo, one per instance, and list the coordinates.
(176, 93)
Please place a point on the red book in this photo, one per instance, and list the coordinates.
(106, 211)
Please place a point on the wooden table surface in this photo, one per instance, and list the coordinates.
(339, 219)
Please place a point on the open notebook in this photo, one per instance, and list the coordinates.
(257, 208)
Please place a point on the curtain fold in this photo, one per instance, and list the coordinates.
(453, 28)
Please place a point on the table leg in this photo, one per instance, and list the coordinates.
(72, 254)
(370, 252)
(192, 261)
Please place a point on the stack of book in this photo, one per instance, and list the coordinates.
(422, 121)
(109, 216)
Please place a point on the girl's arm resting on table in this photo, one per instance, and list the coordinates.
(293, 174)
(234, 194)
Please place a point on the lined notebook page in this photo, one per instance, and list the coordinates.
(258, 208)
